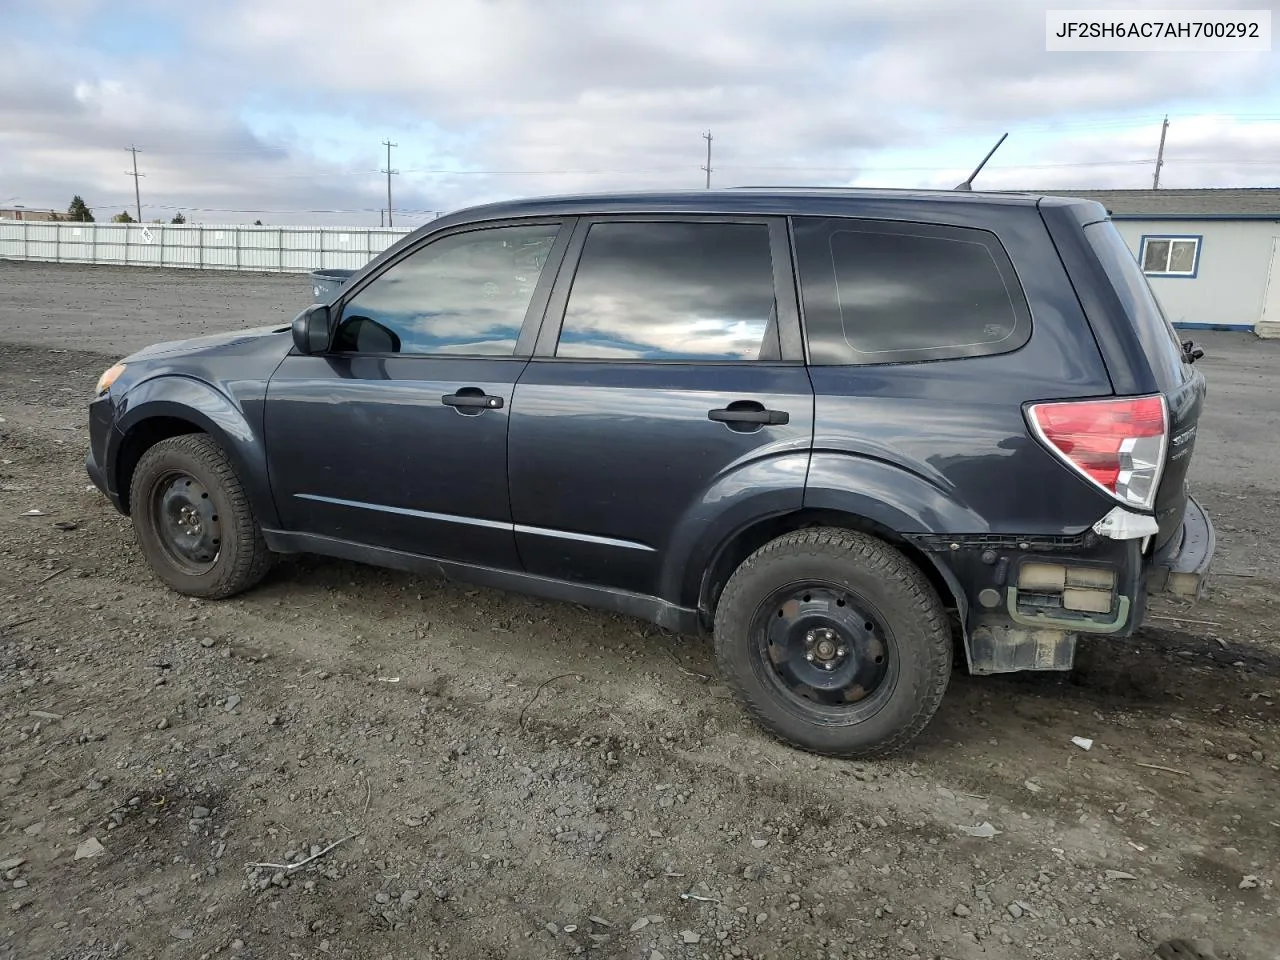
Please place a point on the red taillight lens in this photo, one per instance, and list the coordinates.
(1118, 444)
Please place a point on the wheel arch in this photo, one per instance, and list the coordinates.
(744, 542)
(140, 438)
(170, 406)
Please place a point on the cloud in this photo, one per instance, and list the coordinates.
(279, 107)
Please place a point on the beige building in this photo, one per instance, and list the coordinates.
(23, 213)
(1212, 256)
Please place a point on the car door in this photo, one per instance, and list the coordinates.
(668, 380)
(396, 437)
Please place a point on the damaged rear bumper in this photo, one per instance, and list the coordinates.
(1181, 567)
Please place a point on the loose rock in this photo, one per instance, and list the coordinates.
(90, 848)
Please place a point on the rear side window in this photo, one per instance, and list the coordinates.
(667, 290)
(882, 292)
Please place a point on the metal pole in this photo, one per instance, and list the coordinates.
(707, 137)
(388, 171)
(1164, 128)
(137, 194)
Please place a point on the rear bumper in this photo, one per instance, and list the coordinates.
(1181, 568)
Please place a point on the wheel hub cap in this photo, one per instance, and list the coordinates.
(187, 521)
(824, 645)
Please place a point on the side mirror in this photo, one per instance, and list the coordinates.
(311, 329)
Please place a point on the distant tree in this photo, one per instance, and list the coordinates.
(257, 223)
(123, 217)
(78, 211)
(178, 218)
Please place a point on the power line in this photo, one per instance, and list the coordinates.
(388, 171)
(137, 194)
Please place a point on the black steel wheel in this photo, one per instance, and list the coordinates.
(193, 519)
(188, 524)
(835, 642)
(823, 643)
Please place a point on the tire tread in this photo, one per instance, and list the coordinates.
(875, 556)
(253, 559)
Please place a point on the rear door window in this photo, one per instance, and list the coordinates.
(672, 291)
(884, 292)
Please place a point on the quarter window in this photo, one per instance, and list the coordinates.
(465, 294)
(672, 291)
(881, 292)
(1170, 256)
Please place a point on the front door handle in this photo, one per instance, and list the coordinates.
(749, 412)
(472, 398)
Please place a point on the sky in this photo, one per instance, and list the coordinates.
(277, 110)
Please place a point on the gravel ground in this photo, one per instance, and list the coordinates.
(508, 777)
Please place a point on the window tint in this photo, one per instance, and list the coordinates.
(672, 291)
(464, 294)
(899, 292)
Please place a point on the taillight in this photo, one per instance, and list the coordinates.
(1117, 444)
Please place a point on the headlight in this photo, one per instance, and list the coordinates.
(107, 379)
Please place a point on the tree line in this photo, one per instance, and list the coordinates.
(78, 212)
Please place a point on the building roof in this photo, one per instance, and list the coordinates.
(1224, 202)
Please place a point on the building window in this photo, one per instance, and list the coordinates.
(1170, 256)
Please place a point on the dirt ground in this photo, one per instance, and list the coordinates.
(508, 777)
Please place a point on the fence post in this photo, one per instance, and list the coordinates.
(321, 266)
(57, 243)
(236, 235)
(280, 249)
(162, 229)
(200, 251)
(125, 228)
(93, 241)
(26, 246)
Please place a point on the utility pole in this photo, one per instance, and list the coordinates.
(137, 194)
(707, 137)
(388, 171)
(1155, 182)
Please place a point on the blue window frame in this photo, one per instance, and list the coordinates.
(1171, 255)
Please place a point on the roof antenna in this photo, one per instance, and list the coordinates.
(968, 184)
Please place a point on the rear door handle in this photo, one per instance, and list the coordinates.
(756, 414)
(472, 398)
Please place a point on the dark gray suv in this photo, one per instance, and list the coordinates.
(847, 431)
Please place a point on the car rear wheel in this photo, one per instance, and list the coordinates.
(835, 642)
(193, 520)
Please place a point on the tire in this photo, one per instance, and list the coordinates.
(834, 642)
(193, 520)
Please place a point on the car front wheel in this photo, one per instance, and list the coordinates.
(835, 642)
(193, 519)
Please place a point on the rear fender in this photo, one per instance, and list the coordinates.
(214, 413)
(887, 495)
(745, 496)
(899, 501)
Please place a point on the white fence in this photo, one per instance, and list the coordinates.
(196, 246)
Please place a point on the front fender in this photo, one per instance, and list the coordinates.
(890, 496)
(754, 491)
(204, 406)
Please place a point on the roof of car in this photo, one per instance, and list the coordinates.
(763, 200)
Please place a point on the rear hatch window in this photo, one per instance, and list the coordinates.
(1159, 339)
(1183, 386)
